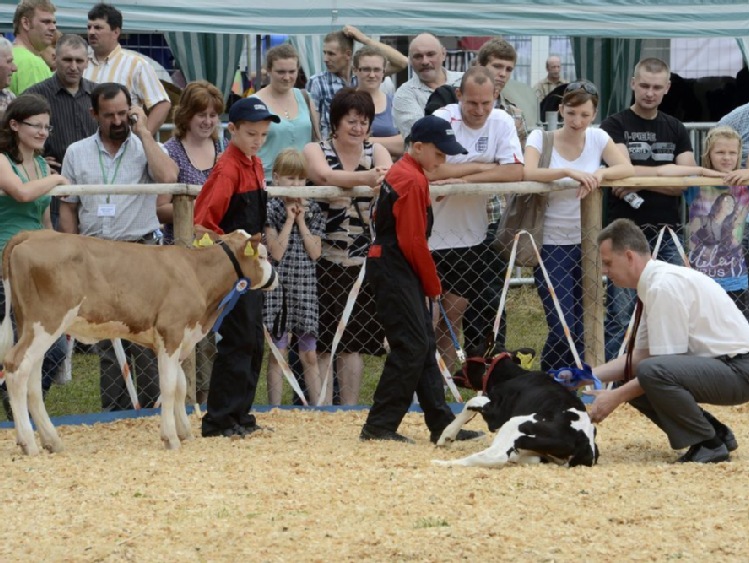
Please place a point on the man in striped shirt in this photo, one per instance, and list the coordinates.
(109, 62)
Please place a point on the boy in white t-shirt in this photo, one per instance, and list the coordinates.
(470, 271)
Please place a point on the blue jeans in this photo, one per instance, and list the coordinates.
(621, 301)
(565, 272)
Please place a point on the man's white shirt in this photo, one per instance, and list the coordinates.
(687, 312)
(461, 221)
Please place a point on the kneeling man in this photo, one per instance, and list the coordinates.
(692, 347)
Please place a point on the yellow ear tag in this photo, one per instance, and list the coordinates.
(205, 241)
(248, 250)
(526, 360)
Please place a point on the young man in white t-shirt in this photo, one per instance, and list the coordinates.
(470, 271)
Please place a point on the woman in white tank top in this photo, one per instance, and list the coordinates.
(577, 155)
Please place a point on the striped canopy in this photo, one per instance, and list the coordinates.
(592, 18)
(202, 33)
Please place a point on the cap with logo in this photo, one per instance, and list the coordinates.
(432, 129)
(251, 109)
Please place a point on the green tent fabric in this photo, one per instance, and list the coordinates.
(207, 56)
(608, 63)
(583, 18)
(744, 46)
(309, 48)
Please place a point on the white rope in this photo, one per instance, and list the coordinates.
(448, 377)
(119, 351)
(285, 367)
(353, 294)
(557, 305)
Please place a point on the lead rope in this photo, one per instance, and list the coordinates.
(284, 367)
(557, 305)
(119, 352)
(446, 375)
(353, 294)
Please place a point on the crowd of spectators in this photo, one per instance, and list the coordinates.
(346, 128)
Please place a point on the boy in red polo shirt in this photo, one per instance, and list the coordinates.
(234, 197)
(403, 275)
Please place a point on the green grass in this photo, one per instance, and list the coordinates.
(526, 327)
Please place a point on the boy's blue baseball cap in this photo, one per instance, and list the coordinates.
(251, 109)
(432, 129)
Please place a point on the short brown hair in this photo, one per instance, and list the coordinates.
(651, 64)
(27, 8)
(346, 100)
(478, 74)
(196, 97)
(344, 41)
(72, 40)
(574, 97)
(280, 53)
(369, 51)
(290, 162)
(497, 48)
(624, 235)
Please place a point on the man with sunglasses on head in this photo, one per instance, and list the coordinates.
(651, 139)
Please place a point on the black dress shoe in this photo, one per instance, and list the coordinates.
(722, 432)
(374, 433)
(726, 436)
(699, 453)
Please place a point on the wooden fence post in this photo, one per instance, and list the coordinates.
(593, 289)
(183, 235)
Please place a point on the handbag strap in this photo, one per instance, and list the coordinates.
(316, 135)
(548, 146)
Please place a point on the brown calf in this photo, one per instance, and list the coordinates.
(163, 297)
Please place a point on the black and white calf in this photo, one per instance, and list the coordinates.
(539, 420)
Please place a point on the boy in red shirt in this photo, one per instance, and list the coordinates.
(403, 274)
(234, 197)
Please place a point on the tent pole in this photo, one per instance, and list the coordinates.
(258, 62)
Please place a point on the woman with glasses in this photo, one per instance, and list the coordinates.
(299, 121)
(347, 159)
(26, 178)
(369, 67)
(578, 150)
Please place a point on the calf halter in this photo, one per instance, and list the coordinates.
(240, 287)
(462, 378)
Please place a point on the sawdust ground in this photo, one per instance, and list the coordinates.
(310, 491)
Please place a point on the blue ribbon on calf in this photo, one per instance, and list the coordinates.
(573, 377)
(228, 302)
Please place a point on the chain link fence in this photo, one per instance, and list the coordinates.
(544, 310)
